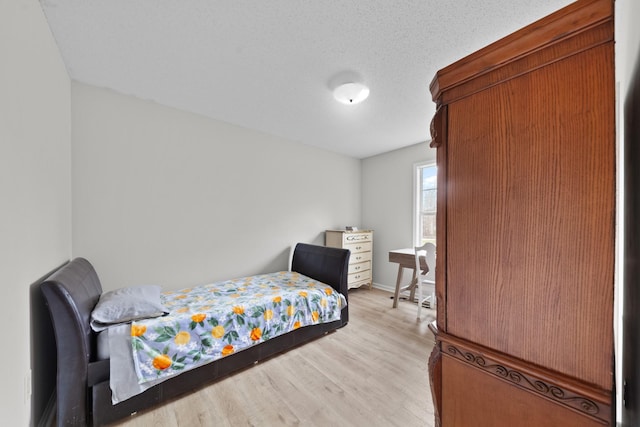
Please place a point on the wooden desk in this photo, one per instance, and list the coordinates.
(405, 258)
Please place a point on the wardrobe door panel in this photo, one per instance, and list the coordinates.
(525, 133)
(530, 216)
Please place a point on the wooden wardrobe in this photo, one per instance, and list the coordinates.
(525, 138)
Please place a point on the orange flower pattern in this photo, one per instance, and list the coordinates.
(256, 334)
(215, 320)
(137, 330)
(218, 331)
(182, 338)
(199, 317)
(161, 362)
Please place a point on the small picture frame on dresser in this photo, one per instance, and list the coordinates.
(351, 228)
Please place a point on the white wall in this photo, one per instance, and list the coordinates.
(627, 42)
(35, 185)
(169, 197)
(627, 61)
(387, 205)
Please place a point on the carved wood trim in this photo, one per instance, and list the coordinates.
(435, 377)
(436, 128)
(433, 132)
(439, 129)
(559, 393)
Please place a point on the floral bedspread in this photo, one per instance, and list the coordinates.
(211, 321)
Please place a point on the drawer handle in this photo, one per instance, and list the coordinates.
(358, 247)
(356, 277)
(357, 268)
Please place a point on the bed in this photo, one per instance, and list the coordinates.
(83, 392)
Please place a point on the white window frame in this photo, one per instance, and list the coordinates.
(417, 199)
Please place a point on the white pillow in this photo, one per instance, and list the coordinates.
(127, 304)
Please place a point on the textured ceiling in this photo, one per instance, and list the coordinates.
(269, 65)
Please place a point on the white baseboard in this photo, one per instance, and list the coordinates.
(384, 287)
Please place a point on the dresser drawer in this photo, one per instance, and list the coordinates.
(358, 277)
(359, 267)
(357, 257)
(359, 247)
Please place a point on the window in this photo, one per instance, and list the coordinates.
(425, 185)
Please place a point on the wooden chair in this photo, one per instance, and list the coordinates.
(426, 278)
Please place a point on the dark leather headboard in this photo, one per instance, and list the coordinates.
(71, 294)
(322, 263)
(327, 265)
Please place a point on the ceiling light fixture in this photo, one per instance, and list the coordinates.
(351, 93)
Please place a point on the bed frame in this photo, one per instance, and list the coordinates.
(82, 381)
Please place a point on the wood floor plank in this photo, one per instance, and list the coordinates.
(373, 372)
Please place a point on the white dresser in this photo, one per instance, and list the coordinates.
(360, 243)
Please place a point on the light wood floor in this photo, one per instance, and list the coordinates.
(372, 372)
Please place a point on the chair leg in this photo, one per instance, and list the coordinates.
(412, 286)
(419, 285)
